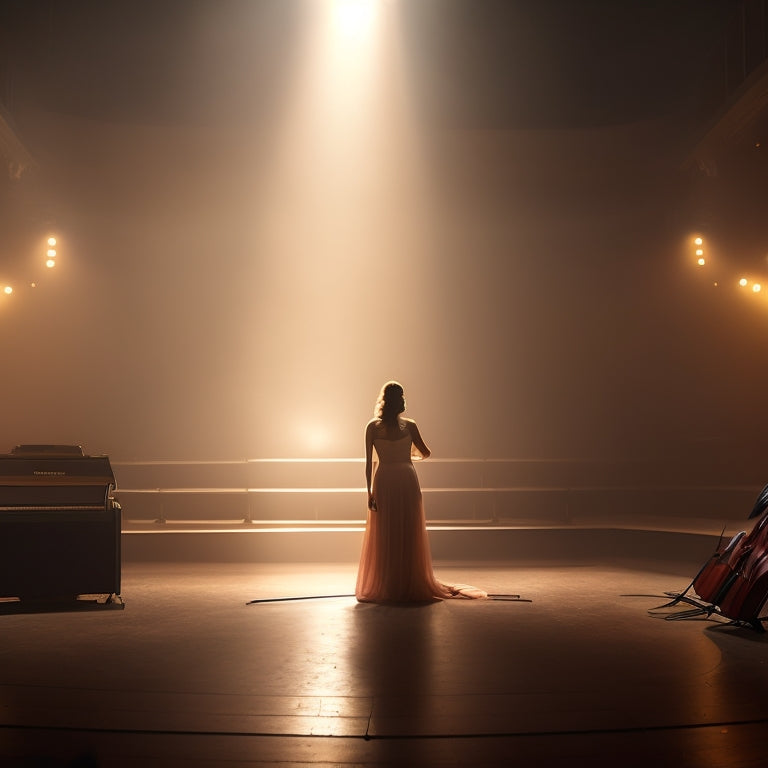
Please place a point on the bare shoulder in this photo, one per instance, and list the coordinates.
(418, 441)
(372, 426)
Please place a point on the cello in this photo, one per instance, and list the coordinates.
(744, 593)
(734, 581)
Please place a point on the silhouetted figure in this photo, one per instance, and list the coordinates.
(396, 564)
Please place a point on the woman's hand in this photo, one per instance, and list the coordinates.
(371, 503)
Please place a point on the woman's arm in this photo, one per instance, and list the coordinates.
(418, 442)
(369, 463)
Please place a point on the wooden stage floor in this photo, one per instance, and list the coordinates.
(189, 674)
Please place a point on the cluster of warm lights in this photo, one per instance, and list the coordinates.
(51, 253)
(699, 243)
(50, 263)
(755, 286)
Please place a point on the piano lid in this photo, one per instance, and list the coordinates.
(54, 466)
(48, 450)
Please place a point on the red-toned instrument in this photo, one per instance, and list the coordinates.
(745, 591)
(734, 581)
(712, 577)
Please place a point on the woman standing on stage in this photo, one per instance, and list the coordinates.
(396, 563)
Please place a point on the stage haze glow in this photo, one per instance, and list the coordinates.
(279, 206)
(346, 223)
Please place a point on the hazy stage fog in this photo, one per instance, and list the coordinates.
(258, 229)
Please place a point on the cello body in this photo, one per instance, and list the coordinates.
(718, 569)
(735, 578)
(748, 593)
(745, 593)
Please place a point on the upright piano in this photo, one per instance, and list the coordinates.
(59, 524)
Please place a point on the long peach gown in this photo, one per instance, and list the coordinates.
(396, 563)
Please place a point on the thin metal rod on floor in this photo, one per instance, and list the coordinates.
(289, 599)
(509, 598)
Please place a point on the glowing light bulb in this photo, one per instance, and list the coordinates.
(51, 253)
(8, 290)
(50, 263)
(51, 241)
(701, 262)
(757, 287)
(699, 251)
(698, 241)
(743, 281)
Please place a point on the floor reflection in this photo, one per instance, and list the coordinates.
(393, 657)
(583, 662)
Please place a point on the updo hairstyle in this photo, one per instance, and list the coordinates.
(390, 403)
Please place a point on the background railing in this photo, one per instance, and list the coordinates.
(258, 493)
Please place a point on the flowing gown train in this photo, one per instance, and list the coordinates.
(396, 563)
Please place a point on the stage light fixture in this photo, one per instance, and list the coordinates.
(353, 17)
(51, 252)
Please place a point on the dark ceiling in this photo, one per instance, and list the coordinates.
(478, 63)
